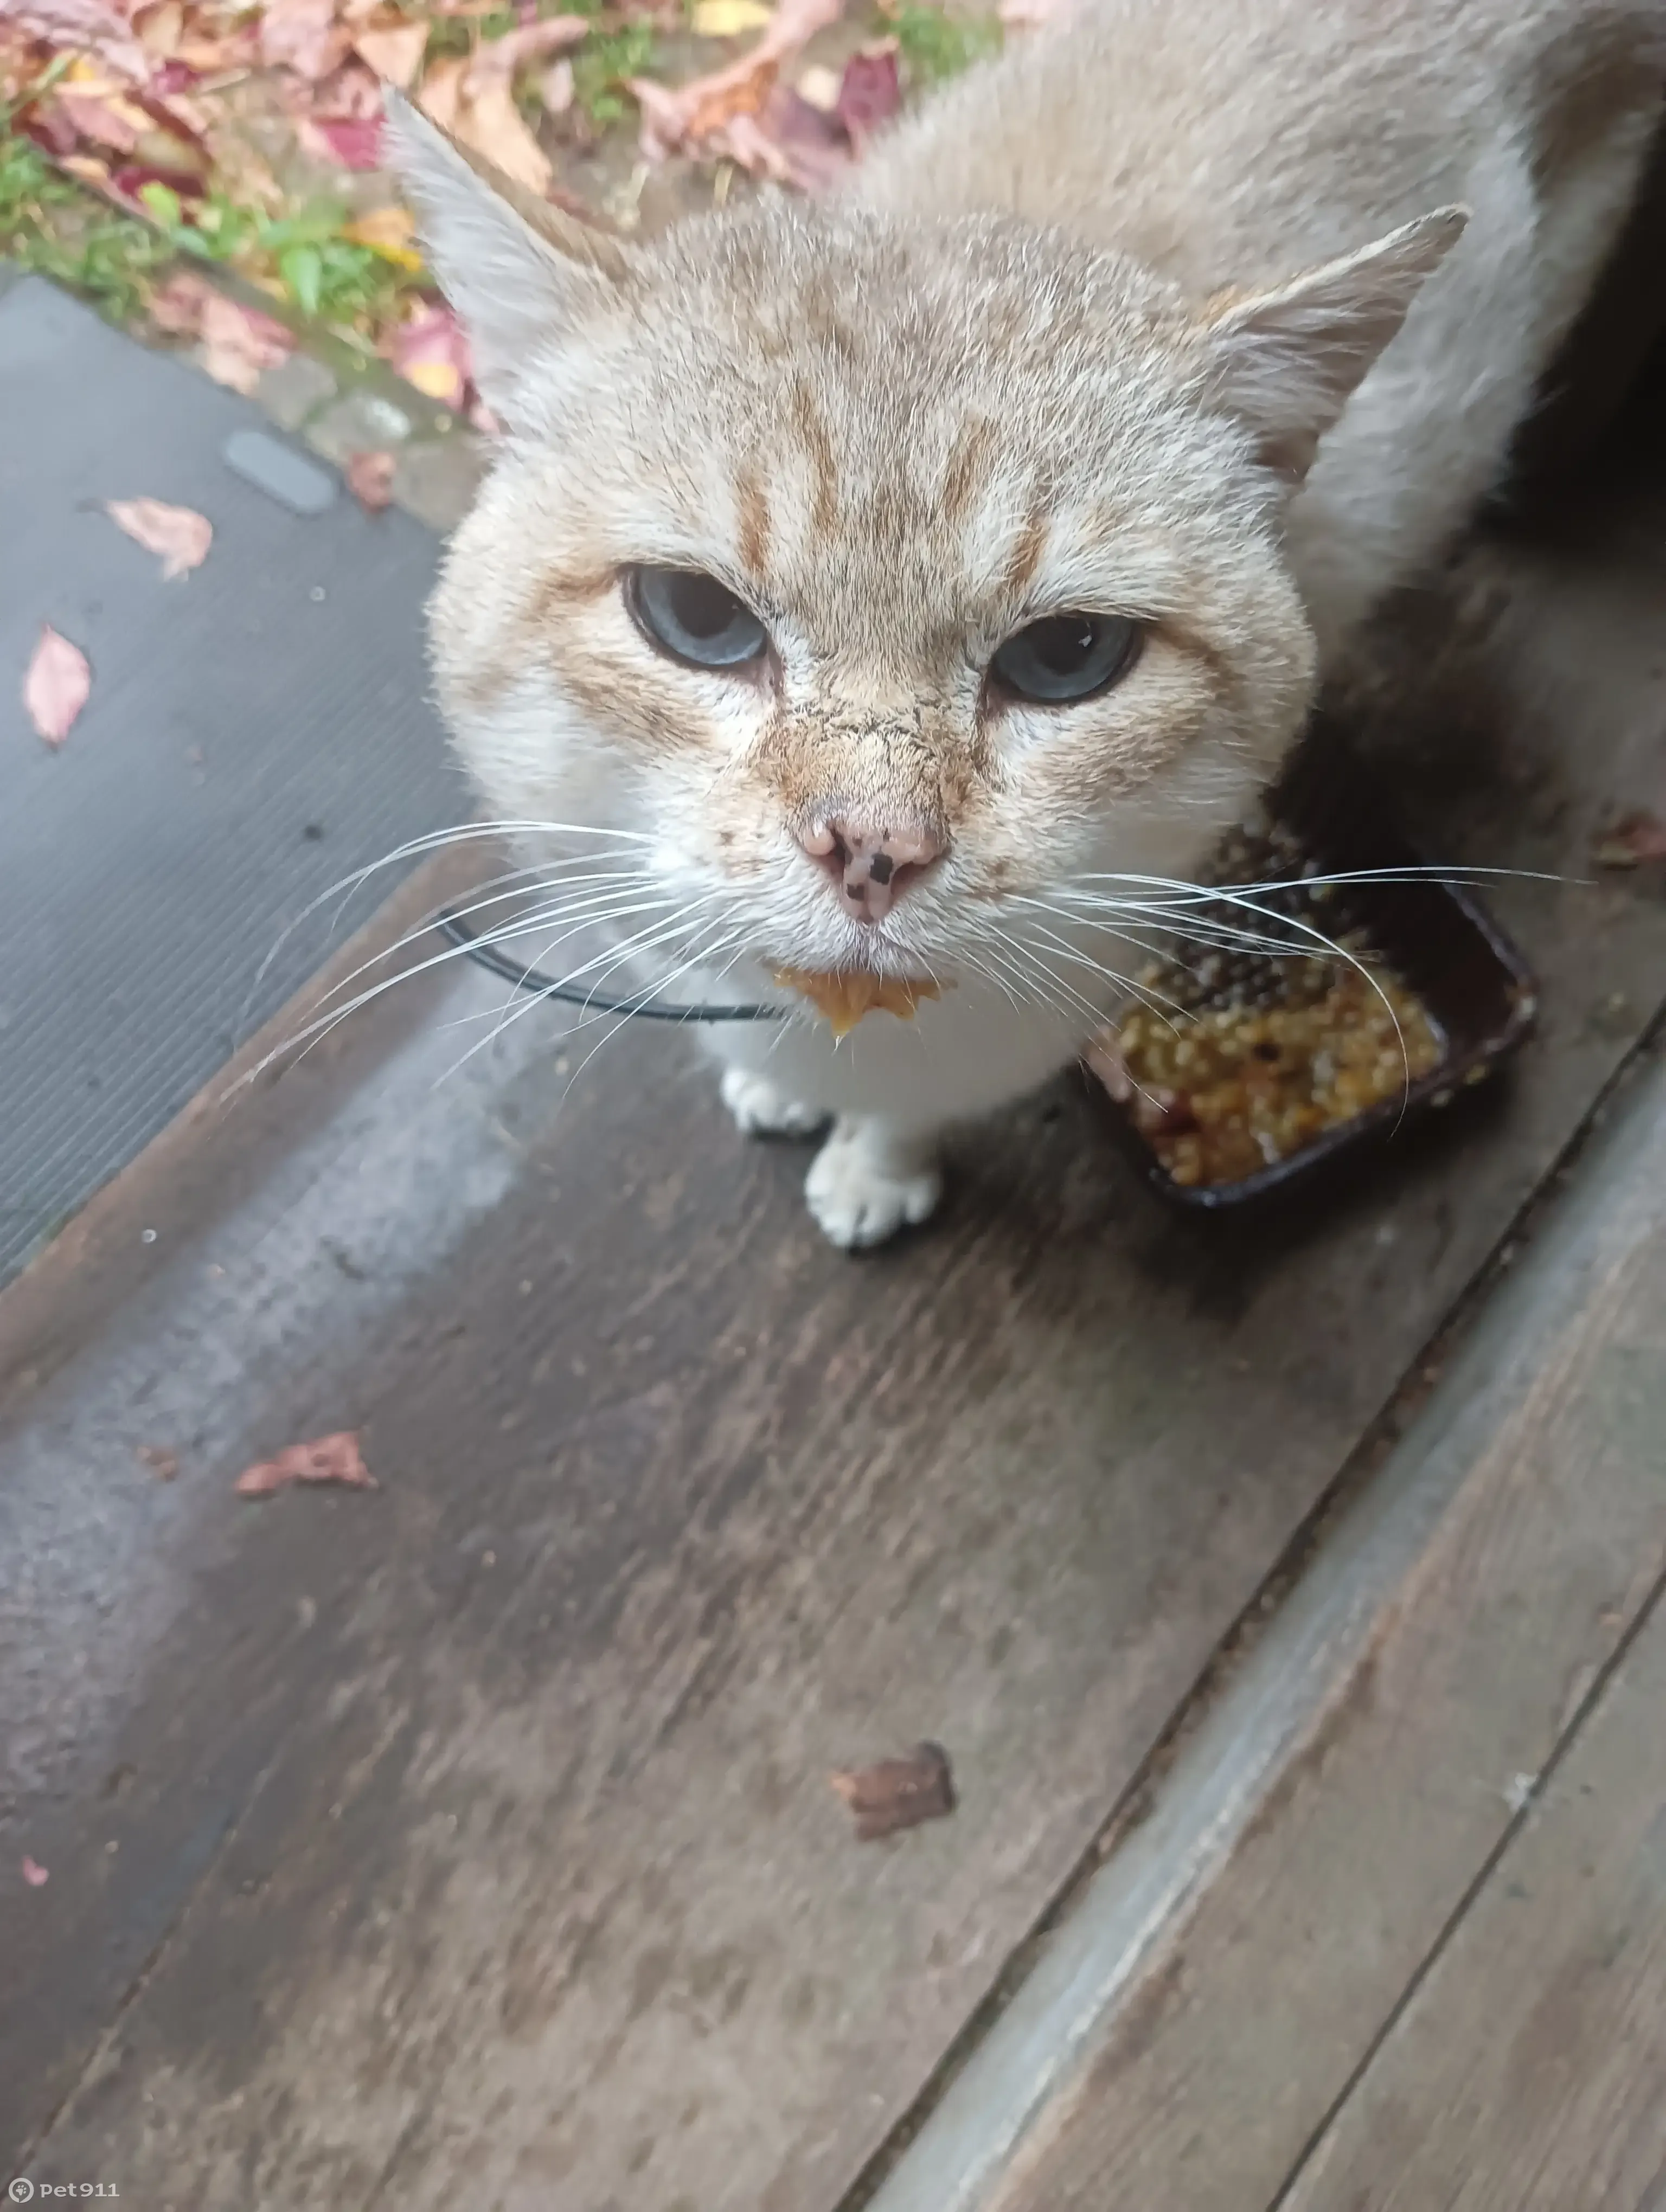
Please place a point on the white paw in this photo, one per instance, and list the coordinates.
(859, 1197)
(761, 1110)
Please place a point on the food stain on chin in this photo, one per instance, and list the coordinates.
(842, 998)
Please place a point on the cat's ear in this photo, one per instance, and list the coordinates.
(1286, 360)
(514, 267)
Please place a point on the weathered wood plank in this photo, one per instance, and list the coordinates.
(531, 1887)
(1242, 1950)
(1526, 2074)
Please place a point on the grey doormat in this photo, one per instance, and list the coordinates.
(257, 731)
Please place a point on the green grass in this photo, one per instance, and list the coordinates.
(321, 272)
(601, 65)
(48, 226)
(935, 45)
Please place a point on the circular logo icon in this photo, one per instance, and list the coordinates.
(20, 2191)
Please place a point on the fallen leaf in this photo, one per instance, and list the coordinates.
(1027, 15)
(727, 19)
(177, 306)
(56, 687)
(870, 91)
(325, 1459)
(302, 35)
(897, 1793)
(389, 231)
(396, 55)
(370, 479)
(106, 123)
(474, 99)
(162, 1464)
(1636, 838)
(813, 144)
(239, 342)
(352, 142)
(179, 534)
(36, 1875)
(86, 27)
(555, 88)
(702, 113)
(489, 120)
(431, 352)
(519, 49)
(442, 90)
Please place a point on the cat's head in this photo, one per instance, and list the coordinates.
(885, 573)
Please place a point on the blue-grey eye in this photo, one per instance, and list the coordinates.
(1064, 657)
(693, 617)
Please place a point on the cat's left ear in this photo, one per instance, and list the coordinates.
(515, 269)
(1285, 361)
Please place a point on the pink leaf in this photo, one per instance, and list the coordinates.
(35, 1874)
(354, 142)
(869, 93)
(532, 42)
(239, 342)
(179, 534)
(325, 1459)
(96, 119)
(56, 687)
(432, 353)
(302, 35)
(370, 480)
(89, 27)
(816, 147)
(177, 306)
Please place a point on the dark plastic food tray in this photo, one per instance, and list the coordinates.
(1439, 937)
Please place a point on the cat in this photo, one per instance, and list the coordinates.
(888, 572)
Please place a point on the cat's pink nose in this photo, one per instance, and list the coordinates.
(872, 867)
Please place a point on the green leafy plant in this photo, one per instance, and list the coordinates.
(935, 43)
(50, 226)
(601, 66)
(322, 271)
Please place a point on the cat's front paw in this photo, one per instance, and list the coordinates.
(761, 1110)
(861, 1192)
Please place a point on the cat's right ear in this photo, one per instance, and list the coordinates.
(1286, 361)
(515, 269)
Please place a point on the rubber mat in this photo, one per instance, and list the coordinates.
(256, 731)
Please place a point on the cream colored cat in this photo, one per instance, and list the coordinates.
(895, 566)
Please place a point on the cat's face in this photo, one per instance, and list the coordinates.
(885, 577)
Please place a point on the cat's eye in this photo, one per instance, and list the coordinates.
(693, 618)
(1065, 657)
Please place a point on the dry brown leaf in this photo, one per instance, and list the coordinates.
(702, 114)
(370, 479)
(239, 342)
(56, 686)
(325, 1459)
(178, 535)
(1635, 838)
(162, 1464)
(489, 120)
(897, 1793)
(1027, 15)
(396, 55)
(34, 1874)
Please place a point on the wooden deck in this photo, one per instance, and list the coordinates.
(1283, 1602)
